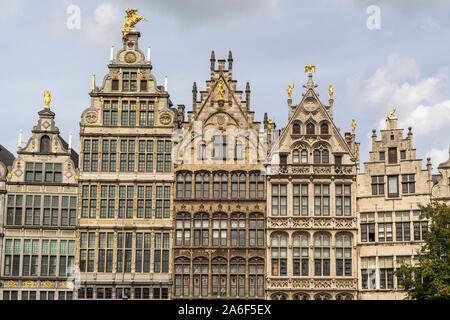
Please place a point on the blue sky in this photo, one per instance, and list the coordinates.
(405, 63)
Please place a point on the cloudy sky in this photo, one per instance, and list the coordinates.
(405, 63)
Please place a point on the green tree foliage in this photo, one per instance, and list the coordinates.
(430, 278)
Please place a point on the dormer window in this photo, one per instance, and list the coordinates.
(296, 128)
(45, 144)
(310, 128)
(129, 81)
(324, 129)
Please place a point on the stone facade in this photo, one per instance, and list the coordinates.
(391, 231)
(311, 201)
(125, 216)
(220, 204)
(40, 218)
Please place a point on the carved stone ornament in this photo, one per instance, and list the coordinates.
(130, 57)
(165, 119)
(91, 117)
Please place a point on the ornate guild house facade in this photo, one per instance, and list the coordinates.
(40, 216)
(125, 225)
(220, 195)
(311, 201)
(390, 227)
(163, 204)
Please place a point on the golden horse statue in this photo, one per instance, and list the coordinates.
(132, 20)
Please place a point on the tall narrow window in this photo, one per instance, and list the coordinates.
(392, 186)
(385, 226)
(279, 255)
(304, 156)
(343, 200)
(367, 227)
(408, 184)
(45, 144)
(324, 129)
(321, 200)
(343, 255)
(392, 155)
(310, 128)
(279, 200)
(300, 199)
(322, 255)
(300, 255)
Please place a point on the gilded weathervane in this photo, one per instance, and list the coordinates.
(132, 20)
(310, 69)
(220, 90)
(331, 91)
(390, 114)
(289, 90)
(47, 98)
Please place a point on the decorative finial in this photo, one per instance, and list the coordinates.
(70, 140)
(93, 82)
(220, 90)
(111, 54)
(353, 124)
(148, 53)
(289, 90)
(330, 91)
(165, 83)
(131, 20)
(19, 142)
(390, 114)
(47, 99)
(310, 69)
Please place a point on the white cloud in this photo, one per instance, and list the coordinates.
(9, 8)
(438, 156)
(106, 17)
(197, 12)
(422, 102)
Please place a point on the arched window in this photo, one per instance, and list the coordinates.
(300, 254)
(220, 185)
(45, 144)
(300, 296)
(344, 296)
(219, 229)
(304, 156)
(325, 156)
(200, 275)
(296, 128)
(321, 255)
(182, 274)
(278, 296)
(343, 255)
(237, 277)
(202, 185)
(279, 255)
(237, 231)
(183, 229)
(322, 296)
(201, 151)
(324, 129)
(316, 156)
(184, 185)
(310, 129)
(295, 156)
(239, 151)
(219, 277)
(256, 277)
(201, 229)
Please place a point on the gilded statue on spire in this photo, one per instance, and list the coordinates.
(220, 90)
(310, 69)
(390, 114)
(269, 126)
(330, 91)
(132, 20)
(289, 90)
(47, 98)
(353, 124)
